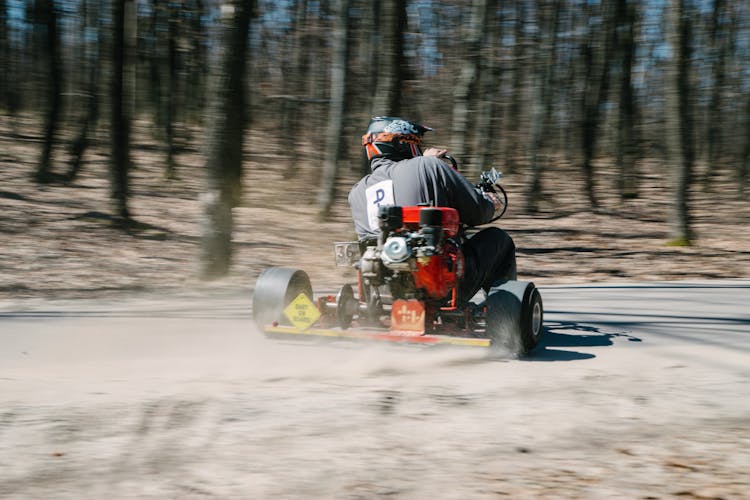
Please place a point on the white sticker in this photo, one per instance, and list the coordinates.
(378, 195)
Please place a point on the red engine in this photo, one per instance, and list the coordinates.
(437, 272)
(419, 252)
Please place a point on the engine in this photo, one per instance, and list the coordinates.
(417, 254)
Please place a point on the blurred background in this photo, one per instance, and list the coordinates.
(628, 104)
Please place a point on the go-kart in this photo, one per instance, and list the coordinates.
(408, 289)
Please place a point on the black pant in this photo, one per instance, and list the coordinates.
(490, 257)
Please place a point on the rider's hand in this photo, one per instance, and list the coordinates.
(435, 152)
(497, 201)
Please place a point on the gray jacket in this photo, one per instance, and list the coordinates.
(423, 179)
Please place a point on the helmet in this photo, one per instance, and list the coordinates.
(393, 138)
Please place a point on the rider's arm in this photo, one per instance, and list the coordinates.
(474, 207)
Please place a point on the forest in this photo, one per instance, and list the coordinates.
(541, 87)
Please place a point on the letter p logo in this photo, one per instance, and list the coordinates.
(379, 196)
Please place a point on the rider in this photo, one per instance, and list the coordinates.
(403, 175)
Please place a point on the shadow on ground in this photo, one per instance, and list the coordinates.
(572, 334)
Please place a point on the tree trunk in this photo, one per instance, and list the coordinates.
(466, 83)
(292, 107)
(570, 95)
(171, 97)
(597, 55)
(334, 130)
(718, 50)
(488, 121)
(513, 133)
(743, 165)
(372, 49)
(121, 108)
(390, 59)
(226, 119)
(4, 58)
(155, 49)
(545, 51)
(679, 119)
(627, 181)
(91, 61)
(195, 93)
(54, 86)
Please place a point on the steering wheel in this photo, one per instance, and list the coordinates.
(503, 198)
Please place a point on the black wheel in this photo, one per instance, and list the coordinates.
(532, 318)
(275, 289)
(515, 317)
(346, 306)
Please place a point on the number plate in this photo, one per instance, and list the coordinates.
(347, 253)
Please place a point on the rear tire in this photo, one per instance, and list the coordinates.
(515, 318)
(275, 289)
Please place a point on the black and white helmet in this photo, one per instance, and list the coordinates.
(393, 138)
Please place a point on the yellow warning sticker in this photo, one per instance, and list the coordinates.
(302, 312)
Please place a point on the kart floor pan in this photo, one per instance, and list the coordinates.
(375, 334)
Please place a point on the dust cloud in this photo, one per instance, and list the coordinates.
(179, 401)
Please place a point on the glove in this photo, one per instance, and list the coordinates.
(489, 179)
(497, 201)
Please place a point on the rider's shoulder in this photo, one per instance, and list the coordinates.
(435, 166)
(425, 162)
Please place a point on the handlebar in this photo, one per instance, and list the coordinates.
(489, 181)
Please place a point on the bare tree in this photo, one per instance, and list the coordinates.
(627, 180)
(298, 69)
(390, 50)
(91, 65)
(466, 82)
(743, 165)
(336, 108)
(488, 106)
(718, 49)
(123, 12)
(513, 130)
(194, 93)
(679, 118)
(545, 53)
(597, 52)
(167, 27)
(48, 18)
(170, 105)
(4, 57)
(226, 118)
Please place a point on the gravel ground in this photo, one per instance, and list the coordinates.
(637, 392)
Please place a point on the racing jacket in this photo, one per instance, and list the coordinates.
(419, 180)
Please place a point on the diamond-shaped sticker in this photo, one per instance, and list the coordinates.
(302, 312)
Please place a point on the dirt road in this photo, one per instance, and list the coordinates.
(639, 391)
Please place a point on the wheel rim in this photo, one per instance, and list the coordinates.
(299, 283)
(346, 306)
(536, 318)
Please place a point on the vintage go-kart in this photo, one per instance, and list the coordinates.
(407, 290)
